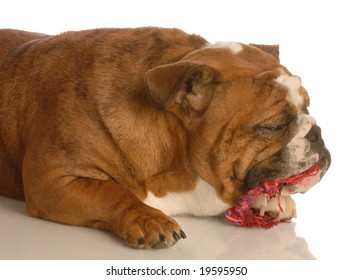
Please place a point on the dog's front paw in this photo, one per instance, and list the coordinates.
(269, 206)
(146, 227)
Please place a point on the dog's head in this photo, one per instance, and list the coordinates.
(246, 116)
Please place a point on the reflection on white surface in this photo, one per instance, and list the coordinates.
(23, 237)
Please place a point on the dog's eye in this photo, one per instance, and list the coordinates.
(273, 128)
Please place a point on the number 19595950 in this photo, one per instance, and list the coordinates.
(227, 270)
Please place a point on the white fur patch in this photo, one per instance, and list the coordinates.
(299, 146)
(293, 84)
(305, 123)
(233, 46)
(299, 149)
(201, 201)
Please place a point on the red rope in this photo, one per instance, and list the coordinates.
(241, 214)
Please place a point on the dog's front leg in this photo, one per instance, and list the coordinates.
(102, 204)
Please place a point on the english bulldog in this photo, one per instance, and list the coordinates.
(119, 129)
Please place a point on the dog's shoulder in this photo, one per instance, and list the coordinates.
(12, 39)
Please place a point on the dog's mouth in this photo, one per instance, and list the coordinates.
(304, 181)
(299, 183)
(242, 213)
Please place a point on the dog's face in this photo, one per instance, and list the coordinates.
(246, 116)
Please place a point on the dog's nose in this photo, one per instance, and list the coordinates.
(314, 135)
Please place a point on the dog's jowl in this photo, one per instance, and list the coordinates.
(117, 129)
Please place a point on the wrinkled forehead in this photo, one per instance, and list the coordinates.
(234, 59)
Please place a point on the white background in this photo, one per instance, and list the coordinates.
(316, 43)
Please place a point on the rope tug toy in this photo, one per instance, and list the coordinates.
(241, 214)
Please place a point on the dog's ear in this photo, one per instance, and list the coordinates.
(271, 49)
(188, 85)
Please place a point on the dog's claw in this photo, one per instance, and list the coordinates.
(162, 238)
(176, 236)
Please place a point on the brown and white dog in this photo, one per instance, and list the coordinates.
(117, 129)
